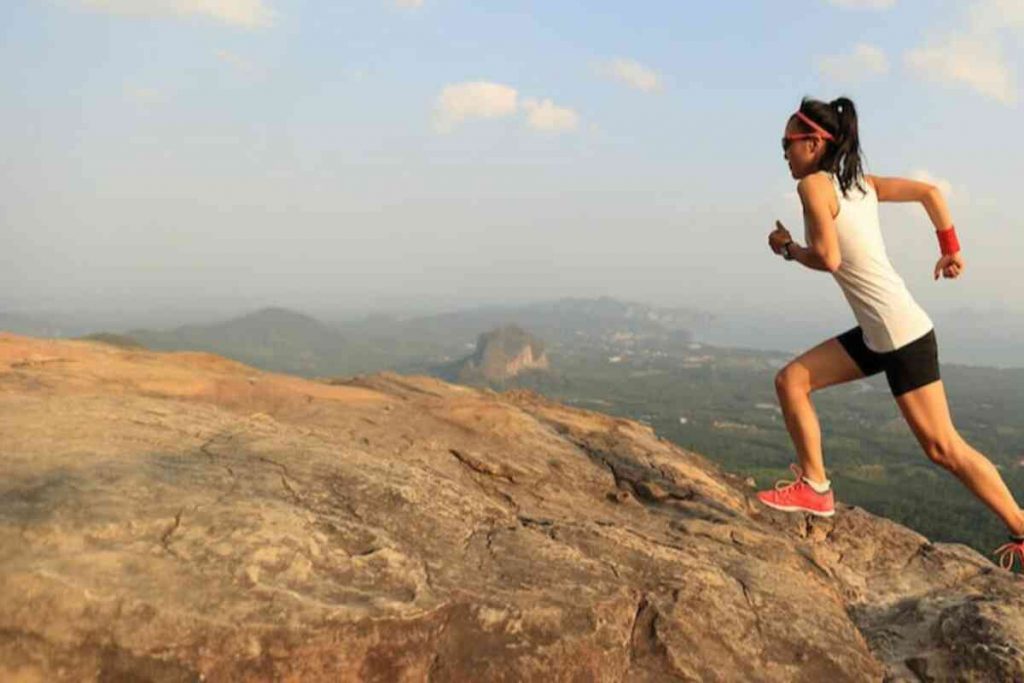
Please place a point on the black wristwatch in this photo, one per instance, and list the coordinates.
(785, 251)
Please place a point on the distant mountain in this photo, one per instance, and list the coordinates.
(567, 320)
(272, 338)
(280, 339)
(501, 354)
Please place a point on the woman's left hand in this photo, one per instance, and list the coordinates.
(950, 265)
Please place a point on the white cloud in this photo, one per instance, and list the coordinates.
(473, 100)
(460, 102)
(974, 61)
(632, 73)
(547, 116)
(244, 13)
(995, 15)
(865, 61)
(412, 4)
(863, 4)
(974, 55)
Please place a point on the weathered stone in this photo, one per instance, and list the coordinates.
(172, 517)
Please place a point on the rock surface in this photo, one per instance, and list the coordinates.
(503, 353)
(182, 517)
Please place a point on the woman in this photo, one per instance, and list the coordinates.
(894, 334)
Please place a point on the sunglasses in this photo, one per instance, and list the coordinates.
(788, 139)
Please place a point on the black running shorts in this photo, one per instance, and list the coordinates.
(909, 367)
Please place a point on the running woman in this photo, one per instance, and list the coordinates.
(894, 334)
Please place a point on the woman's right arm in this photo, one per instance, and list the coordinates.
(906, 190)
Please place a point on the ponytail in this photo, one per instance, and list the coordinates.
(842, 155)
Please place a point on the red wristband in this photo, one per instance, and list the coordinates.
(948, 242)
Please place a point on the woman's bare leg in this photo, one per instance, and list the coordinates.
(826, 364)
(927, 412)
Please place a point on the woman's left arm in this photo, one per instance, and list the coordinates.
(822, 250)
(907, 190)
(950, 265)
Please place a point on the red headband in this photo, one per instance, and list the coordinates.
(815, 127)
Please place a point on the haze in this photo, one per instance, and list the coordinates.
(168, 160)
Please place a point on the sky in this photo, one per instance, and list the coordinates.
(418, 155)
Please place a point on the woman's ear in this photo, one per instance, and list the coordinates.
(818, 147)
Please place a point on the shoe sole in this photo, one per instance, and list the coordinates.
(794, 508)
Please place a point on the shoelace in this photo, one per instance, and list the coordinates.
(1006, 552)
(783, 484)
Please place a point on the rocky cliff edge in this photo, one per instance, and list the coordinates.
(183, 517)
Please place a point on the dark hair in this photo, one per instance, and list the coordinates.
(842, 155)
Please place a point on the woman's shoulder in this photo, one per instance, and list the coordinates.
(817, 178)
(819, 188)
(819, 182)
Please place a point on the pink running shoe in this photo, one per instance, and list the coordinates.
(1008, 551)
(798, 496)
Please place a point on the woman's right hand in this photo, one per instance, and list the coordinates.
(778, 237)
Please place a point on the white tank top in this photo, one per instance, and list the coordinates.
(881, 302)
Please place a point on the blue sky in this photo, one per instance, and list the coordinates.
(188, 154)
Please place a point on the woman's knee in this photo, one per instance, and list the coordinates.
(792, 379)
(944, 452)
